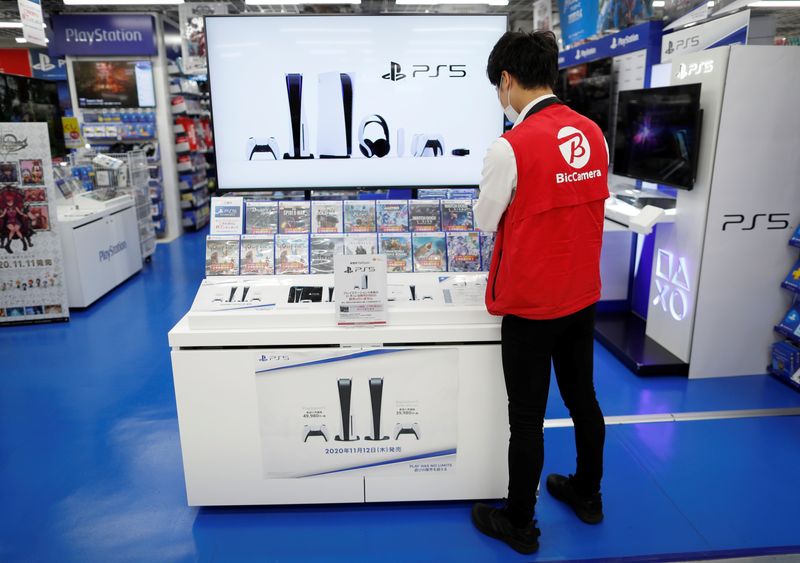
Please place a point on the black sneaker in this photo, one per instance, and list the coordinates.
(494, 522)
(589, 509)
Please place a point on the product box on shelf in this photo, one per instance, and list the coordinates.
(790, 325)
(792, 280)
(327, 217)
(324, 249)
(430, 252)
(397, 248)
(424, 216)
(786, 360)
(356, 243)
(359, 217)
(457, 215)
(222, 255)
(795, 240)
(294, 217)
(258, 255)
(291, 254)
(487, 249)
(261, 217)
(392, 216)
(463, 252)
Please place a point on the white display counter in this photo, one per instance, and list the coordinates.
(100, 240)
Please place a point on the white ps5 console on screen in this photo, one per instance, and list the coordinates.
(297, 117)
(335, 116)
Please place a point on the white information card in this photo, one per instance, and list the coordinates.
(361, 295)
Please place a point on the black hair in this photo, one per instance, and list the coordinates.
(532, 58)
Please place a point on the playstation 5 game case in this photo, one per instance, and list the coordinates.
(392, 216)
(261, 217)
(326, 217)
(424, 216)
(295, 217)
(430, 252)
(222, 255)
(360, 244)
(463, 252)
(359, 217)
(457, 215)
(258, 255)
(487, 249)
(324, 248)
(397, 249)
(291, 254)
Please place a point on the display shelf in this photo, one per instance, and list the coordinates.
(788, 335)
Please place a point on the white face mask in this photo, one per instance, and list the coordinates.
(511, 114)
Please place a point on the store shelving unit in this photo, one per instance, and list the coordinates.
(193, 146)
(792, 381)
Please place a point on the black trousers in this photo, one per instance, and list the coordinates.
(528, 347)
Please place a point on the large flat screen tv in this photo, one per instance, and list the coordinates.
(25, 99)
(109, 84)
(658, 135)
(586, 88)
(352, 101)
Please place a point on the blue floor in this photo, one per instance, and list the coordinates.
(90, 466)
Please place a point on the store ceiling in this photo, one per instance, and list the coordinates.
(520, 12)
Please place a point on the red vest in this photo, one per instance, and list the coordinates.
(546, 261)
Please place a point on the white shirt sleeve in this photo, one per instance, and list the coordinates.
(498, 182)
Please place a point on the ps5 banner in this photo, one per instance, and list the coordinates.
(363, 411)
(352, 101)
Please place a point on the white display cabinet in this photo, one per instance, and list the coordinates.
(100, 240)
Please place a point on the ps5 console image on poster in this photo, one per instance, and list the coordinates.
(392, 216)
(324, 248)
(343, 412)
(291, 254)
(463, 252)
(359, 217)
(430, 252)
(397, 248)
(424, 215)
(457, 215)
(323, 114)
(261, 217)
(294, 217)
(326, 217)
(487, 249)
(222, 255)
(257, 255)
(361, 244)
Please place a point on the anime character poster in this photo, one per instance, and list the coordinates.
(32, 287)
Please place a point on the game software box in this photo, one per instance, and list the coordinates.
(222, 255)
(295, 217)
(424, 215)
(359, 217)
(326, 217)
(324, 248)
(487, 249)
(392, 216)
(361, 244)
(430, 252)
(790, 325)
(463, 252)
(397, 249)
(792, 280)
(258, 255)
(291, 254)
(261, 217)
(457, 215)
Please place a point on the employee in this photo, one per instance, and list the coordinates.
(543, 190)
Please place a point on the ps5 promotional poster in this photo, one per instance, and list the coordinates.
(366, 411)
(352, 101)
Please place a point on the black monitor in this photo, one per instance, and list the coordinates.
(658, 135)
(24, 99)
(586, 88)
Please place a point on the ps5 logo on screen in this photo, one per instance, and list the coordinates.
(672, 284)
(574, 147)
(395, 73)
